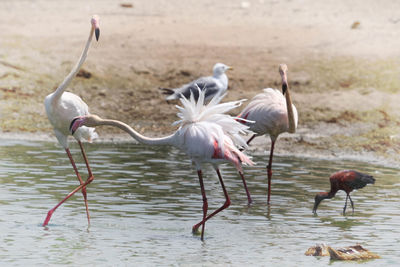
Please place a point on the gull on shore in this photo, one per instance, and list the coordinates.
(215, 84)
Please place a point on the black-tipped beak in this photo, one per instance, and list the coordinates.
(97, 33)
(70, 126)
(284, 88)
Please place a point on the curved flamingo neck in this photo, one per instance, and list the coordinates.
(61, 88)
(289, 106)
(167, 140)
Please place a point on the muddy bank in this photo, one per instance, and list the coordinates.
(342, 59)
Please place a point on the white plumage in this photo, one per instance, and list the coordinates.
(212, 130)
(61, 108)
(206, 134)
(272, 113)
(269, 112)
(61, 111)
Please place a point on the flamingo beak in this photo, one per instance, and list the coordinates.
(96, 26)
(74, 125)
(284, 83)
(284, 88)
(282, 72)
(97, 33)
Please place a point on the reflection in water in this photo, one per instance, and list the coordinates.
(145, 200)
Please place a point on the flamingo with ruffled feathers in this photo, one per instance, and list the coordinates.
(271, 113)
(61, 108)
(206, 134)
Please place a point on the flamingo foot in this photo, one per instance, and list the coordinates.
(196, 232)
(195, 229)
(48, 217)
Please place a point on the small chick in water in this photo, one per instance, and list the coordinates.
(356, 252)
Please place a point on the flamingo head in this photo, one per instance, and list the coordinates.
(88, 120)
(220, 69)
(283, 72)
(95, 25)
(318, 198)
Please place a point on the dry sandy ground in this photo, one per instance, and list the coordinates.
(342, 58)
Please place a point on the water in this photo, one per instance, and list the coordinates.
(144, 202)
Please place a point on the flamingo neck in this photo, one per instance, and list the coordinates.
(289, 106)
(167, 140)
(61, 88)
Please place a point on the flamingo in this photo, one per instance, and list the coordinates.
(273, 113)
(346, 180)
(62, 107)
(216, 84)
(206, 134)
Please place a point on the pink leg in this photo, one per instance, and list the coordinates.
(269, 169)
(251, 139)
(88, 181)
(248, 141)
(85, 158)
(80, 181)
(205, 204)
(89, 176)
(83, 186)
(226, 204)
(249, 200)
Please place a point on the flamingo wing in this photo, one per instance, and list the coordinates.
(62, 111)
(268, 111)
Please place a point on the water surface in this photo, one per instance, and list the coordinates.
(145, 200)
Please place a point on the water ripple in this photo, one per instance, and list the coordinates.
(144, 201)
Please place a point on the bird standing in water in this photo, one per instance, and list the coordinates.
(206, 135)
(272, 113)
(61, 108)
(213, 85)
(347, 181)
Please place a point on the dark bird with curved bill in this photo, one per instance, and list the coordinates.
(212, 85)
(347, 180)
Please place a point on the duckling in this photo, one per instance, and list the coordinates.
(356, 252)
(318, 250)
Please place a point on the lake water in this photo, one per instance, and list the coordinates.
(145, 200)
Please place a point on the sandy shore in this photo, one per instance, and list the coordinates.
(342, 58)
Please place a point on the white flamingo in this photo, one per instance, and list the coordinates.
(62, 107)
(206, 135)
(273, 114)
(216, 84)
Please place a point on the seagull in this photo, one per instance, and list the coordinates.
(216, 84)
